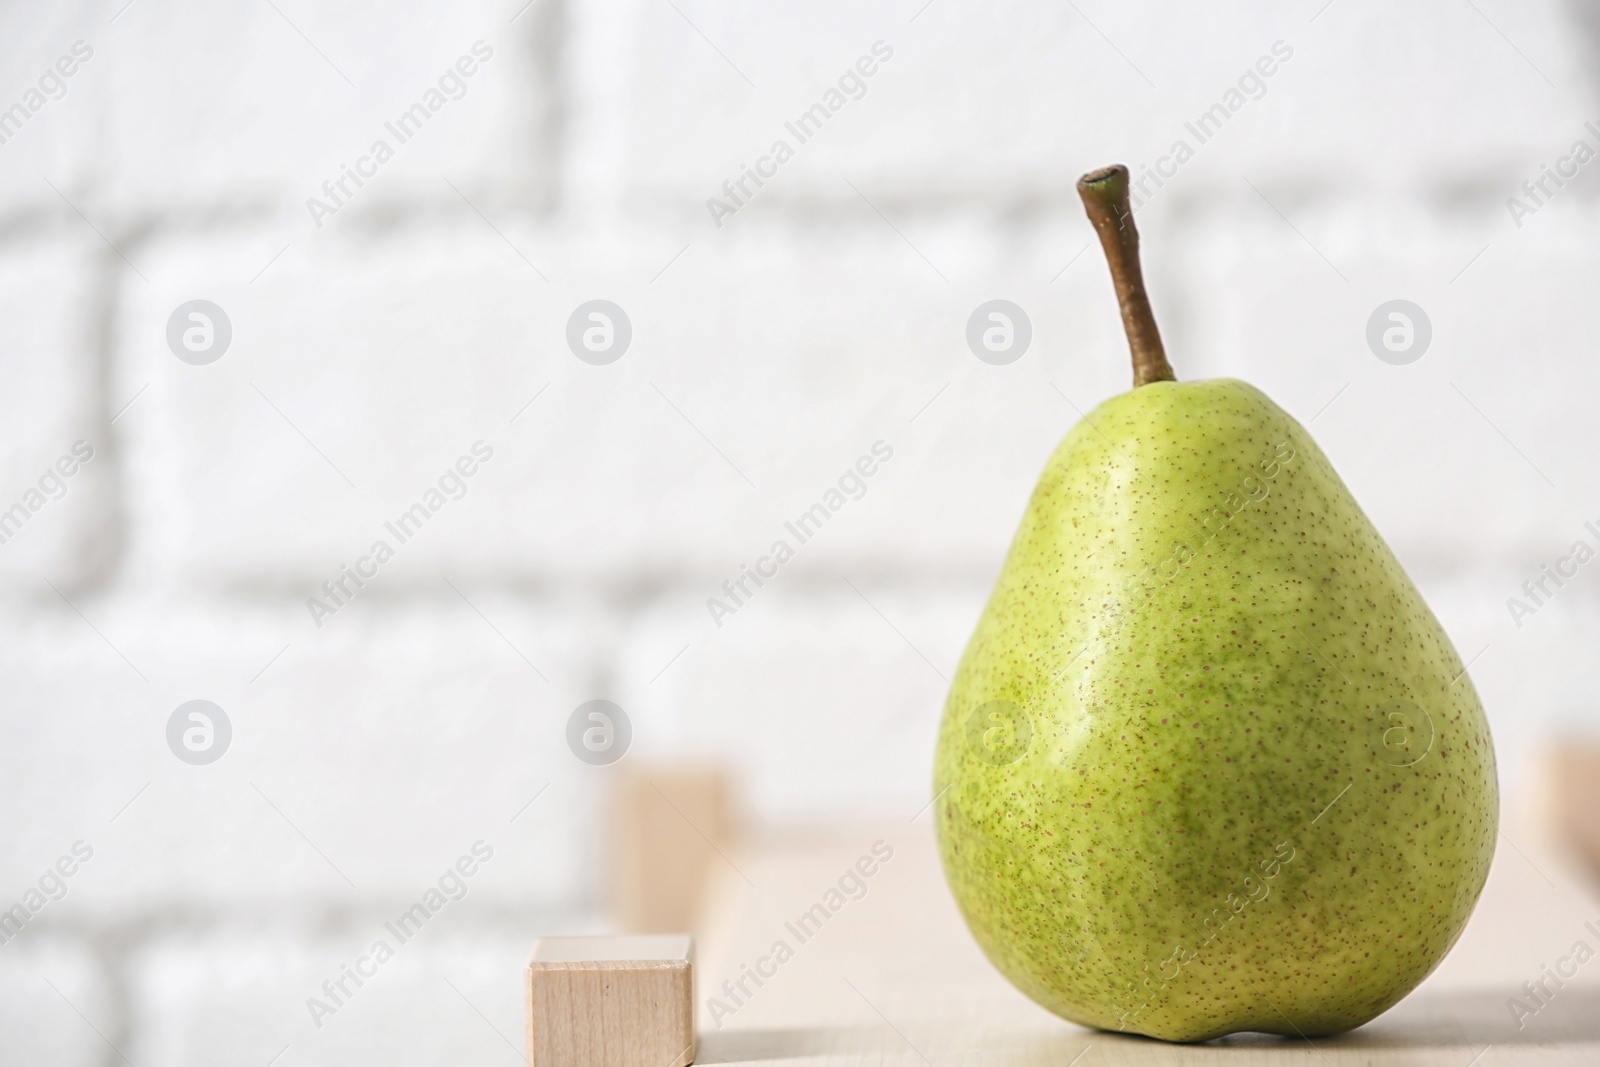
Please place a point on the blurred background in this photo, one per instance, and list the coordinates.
(386, 328)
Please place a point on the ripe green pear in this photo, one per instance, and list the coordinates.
(1209, 763)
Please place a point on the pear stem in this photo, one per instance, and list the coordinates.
(1105, 197)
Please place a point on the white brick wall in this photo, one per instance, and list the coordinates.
(211, 106)
(768, 354)
(1010, 104)
(389, 741)
(52, 307)
(53, 998)
(1503, 333)
(60, 140)
(820, 704)
(241, 997)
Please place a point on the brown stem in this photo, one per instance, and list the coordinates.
(1105, 196)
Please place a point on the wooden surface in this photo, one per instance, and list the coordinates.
(610, 1002)
(666, 826)
(1575, 785)
(893, 978)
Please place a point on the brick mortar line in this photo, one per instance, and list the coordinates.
(382, 216)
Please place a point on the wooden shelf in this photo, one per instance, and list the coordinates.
(894, 977)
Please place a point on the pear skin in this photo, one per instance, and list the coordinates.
(1209, 763)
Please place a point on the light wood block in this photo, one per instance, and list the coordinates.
(668, 824)
(611, 1002)
(1575, 781)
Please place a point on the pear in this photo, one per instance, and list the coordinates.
(1209, 763)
